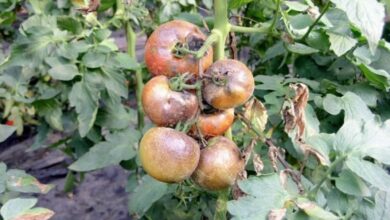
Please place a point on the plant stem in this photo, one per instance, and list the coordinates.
(313, 193)
(242, 29)
(120, 8)
(211, 39)
(131, 50)
(221, 206)
(221, 26)
(317, 20)
(271, 28)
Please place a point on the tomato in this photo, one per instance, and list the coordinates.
(168, 155)
(228, 84)
(214, 124)
(10, 123)
(166, 107)
(160, 57)
(219, 165)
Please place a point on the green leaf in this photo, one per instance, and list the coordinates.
(15, 207)
(238, 3)
(296, 6)
(70, 24)
(51, 111)
(381, 210)
(375, 66)
(124, 61)
(340, 44)
(372, 173)
(350, 184)
(115, 82)
(314, 211)
(20, 181)
(117, 147)
(6, 131)
(64, 72)
(3, 177)
(332, 104)
(367, 15)
(301, 49)
(145, 194)
(85, 99)
(94, 59)
(265, 190)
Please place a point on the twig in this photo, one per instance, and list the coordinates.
(317, 20)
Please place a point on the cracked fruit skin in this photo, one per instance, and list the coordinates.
(219, 165)
(234, 86)
(160, 57)
(166, 107)
(168, 155)
(214, 124)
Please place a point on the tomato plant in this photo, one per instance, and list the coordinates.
(272, 109)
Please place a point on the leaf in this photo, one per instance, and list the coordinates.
(14, 207)
(265, 190)
(381, 210)
(51, 111)
(6, 131)
(94, 59)
(3, 177)
(238, 3)
(372, 173)
(69, 24)
(332, 104)
(64, 72)
(367, 15)
(20, 181)
(341, 44)
(85, 99)
(35, 214)
(314, 211)
(118, 146)
(296, 6)
(256, 113)
(123, 60)
(301, 49)
(115, 82)
(145, 194)
(348, 183)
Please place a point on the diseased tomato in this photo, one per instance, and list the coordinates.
(215, 123)
(219, 165)
(160, 55)
(166, 107)
(168, 155)
(228, 84)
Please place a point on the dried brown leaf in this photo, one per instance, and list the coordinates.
(36, 214)
(258, 163)
(256, 113)
(277, 214)
(236, 191)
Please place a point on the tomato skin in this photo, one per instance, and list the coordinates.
(237, 88)
(10, 123)
(214, 124)
(166, 107)
(159, 49)
(219, 165)
(168, 155)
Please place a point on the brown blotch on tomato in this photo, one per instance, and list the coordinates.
(160, 55)
(219, 165)
(228, 84)
(168, 155)
(166, 107)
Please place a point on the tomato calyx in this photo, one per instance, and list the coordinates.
(190, 47)
(218, 78)
(183, 82)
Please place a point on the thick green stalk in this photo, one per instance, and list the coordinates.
(131, 50)
(120, 8)
(221, 206)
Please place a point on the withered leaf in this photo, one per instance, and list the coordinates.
(277, 214)
(258, 163)
(256, 113)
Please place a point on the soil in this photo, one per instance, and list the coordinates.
(101, 195)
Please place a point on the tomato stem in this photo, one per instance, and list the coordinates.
(131, 38)
(242, 29)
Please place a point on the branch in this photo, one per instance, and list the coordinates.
(317, 20)
(235, 28)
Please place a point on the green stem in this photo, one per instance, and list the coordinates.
(131, 50)
(221, 206)
(221, 26)
(120, 8)
(271, 28)
(317, 20)
(209, 41)
(242, 29)
(313, 193)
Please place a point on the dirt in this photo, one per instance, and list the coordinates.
(101, 196)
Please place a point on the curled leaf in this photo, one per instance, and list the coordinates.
(256, 113)
(36, 214)
(257, 163)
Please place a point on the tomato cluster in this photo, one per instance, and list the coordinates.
(199, 95)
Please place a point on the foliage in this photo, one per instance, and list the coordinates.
(320, 135)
